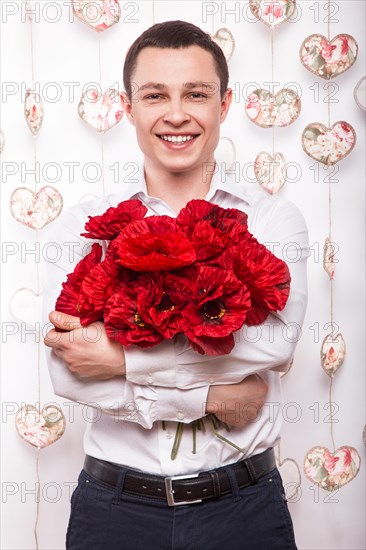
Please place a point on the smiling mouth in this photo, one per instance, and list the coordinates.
(177, 139)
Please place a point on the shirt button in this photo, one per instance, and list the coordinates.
(180, 416)
(169, 435)
(212, 380)
(150, 379)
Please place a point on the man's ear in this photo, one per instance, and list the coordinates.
(225, 104)
(127, 107)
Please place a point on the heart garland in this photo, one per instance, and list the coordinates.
(328, 258)
(224, 38)
(40, 428)
(225, 154)
(272, 12)
(332, 470)
(328, 59)
(33, 111)
(97, 14)
(291, 476)
(267, 110)
(360, 93)
(328, 145)
(26, 306)
(35, 210)
(270, 171)
(101, 112)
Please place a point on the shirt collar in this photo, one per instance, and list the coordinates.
(221, 181)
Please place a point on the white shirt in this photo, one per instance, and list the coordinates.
(170, 381)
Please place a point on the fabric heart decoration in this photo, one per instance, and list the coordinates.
(33, 111)
(332, 470)
(2, 141)
(40, 428)
(26, 306)
(101, 112)
(97, 14)
(267, 110)
(224, 38)
(272, 12)
(328, 59)
(225, 154)
(360, 93)
(270, 171)
(328, 145)
(328, 258)
(35, 210)
(332, 353)
(291, 476)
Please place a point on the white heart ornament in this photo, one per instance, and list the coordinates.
(272, 12)
(291, 477)
(26, 306)
(270, 171)
(225, 154)
(328, 258)
(328, 145)
(33, 111)
(360, 93)
(35, 210)
(101, 112)
(40, 428)
(2, 141)
(97, 14)
(224, 38)
(332, 470)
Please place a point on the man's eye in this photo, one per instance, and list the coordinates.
(152, 96)
(198, 95)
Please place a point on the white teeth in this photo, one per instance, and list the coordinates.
(177, 139)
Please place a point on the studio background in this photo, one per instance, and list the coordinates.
(67, 51)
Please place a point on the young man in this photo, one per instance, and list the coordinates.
(231, 496)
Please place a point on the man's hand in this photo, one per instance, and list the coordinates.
(237, 404)
(87, 351)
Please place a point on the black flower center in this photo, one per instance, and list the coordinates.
(213, 310)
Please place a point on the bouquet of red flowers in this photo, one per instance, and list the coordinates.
(202, 274)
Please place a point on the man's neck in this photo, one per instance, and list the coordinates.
(177, 188)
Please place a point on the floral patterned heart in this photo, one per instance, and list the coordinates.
(33, 111)
(328, 59)
(328, 145)
(328, 258)
(332, 470)
(270, 171)
(26, 306)
(360, 93)
(35, 210)
(101, 112)
(272, 12)
(40, 428)
(97, 14)
(267, 110)
(224, 38)
(332, 353)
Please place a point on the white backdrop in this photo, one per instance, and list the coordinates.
(65, 53)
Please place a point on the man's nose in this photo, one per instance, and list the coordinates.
(176, 112)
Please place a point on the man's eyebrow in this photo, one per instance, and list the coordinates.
(210, 86)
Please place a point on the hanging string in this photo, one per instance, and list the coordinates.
(101, 90)
(272, 59)
(153, 12)
(38, 342)
(331, 411)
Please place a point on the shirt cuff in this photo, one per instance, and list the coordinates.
(151, 366)
(177, 405)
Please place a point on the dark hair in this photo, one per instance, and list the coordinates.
(175, 34)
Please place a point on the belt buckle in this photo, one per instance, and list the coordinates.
(170, 491)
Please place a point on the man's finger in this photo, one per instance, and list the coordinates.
(64, 321)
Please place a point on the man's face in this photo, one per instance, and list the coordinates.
(176, 107)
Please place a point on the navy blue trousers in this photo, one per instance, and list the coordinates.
(253, 518)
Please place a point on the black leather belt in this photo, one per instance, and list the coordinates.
(186, 489)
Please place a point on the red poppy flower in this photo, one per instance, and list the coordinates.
(198, 210)
(67, 302)
(218, 307)
(266, 276)
(123, 320)
(108, 225)
(154, 244)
